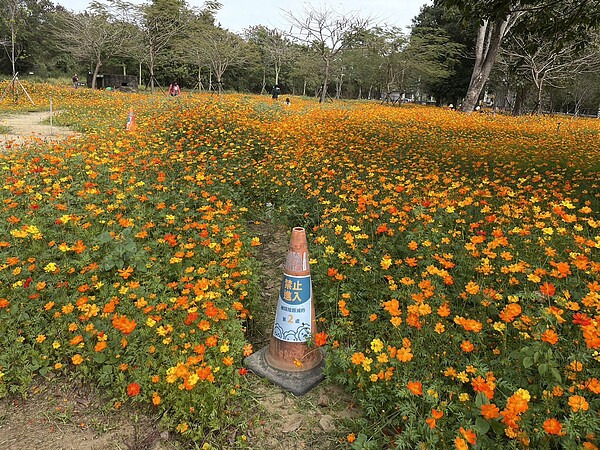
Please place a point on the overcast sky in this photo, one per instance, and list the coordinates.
(236, 15)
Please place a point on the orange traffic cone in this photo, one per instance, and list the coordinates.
(295, 323)
(289, 360)
(131, 126)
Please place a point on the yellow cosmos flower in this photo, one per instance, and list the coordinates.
(386, 262)
(51, 267)
(376, 345)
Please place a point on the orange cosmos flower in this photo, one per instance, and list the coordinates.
(76, 340)
(467, 346)
(211, 341)
(510, 312)
(578, 403)
(472, 288)
(320, 339)
(392, 307)
(124, 324)
(469, 435)
(358, 358)
(550, 336)
(563, 269)
(100, 346)
(460, 444)
(404, 354)
(480, 384)
(431, 422)
(553, 426)
(435, 415)
(416, 387)
(342, 305)
(593, 385)
(247, 350)
(126, 273)
(77, 359)
(547, 289)
(48, 306)
(444, 310)
(133, 389)
(469, 324)
(490, 411)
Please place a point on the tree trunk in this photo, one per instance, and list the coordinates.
(263, 88)
(489, 39)
(12, 57)
(325, 83)
(151, 69)
(219, 84)
(338, 88)
(151, 78)
(539, 84)
(95, 75)
(519, 98)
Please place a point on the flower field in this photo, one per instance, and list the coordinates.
(454, 259)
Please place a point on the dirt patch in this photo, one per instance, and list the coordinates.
(68, 416)
(29, 128)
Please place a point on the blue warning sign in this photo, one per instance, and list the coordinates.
(293, 317)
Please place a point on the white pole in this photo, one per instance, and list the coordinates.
(51, 132)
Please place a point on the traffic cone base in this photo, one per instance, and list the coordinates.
(298, 383)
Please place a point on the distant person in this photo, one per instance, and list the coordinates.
(75, 81)
(174, 90)
(287, 102)
(275, 93)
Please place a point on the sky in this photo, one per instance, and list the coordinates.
(237, 15)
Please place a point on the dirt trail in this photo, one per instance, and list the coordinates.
(28, 127)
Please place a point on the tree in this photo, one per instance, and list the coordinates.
(553, 18)
(96, 36)
(450, 89)
(547, 64)
(161, 22)
(189, 47)
(12, 18)
(273, 48)
(303, 70)
(428, 58)
(387, 47)
(22, 29)
(221, 49)
(328, 33)
(364, 61)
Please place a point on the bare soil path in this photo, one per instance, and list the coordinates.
(31, 127)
